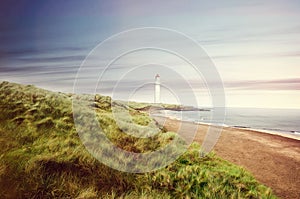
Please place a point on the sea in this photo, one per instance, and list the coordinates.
(266, 120)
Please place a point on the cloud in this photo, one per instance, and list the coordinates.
(61, 59)
(278, 84)
(258, 55)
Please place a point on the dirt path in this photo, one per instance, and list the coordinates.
(273, 160)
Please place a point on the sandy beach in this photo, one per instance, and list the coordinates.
(274, 159)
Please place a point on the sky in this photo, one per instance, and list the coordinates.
(253, 45)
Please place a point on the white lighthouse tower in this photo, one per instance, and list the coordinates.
(157, 89)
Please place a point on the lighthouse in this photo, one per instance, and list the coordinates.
(157, 89)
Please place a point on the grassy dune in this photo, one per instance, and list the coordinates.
(43, 157)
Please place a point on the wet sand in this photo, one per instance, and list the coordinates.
(273, 159)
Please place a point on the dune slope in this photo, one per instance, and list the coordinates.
(42, 155)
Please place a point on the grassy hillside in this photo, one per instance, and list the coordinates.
(43, 157)
(175, 107)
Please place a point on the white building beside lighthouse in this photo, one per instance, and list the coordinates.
(157, 89)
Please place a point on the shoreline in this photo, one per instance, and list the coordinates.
(270, 132)
(286, 134)
(273, 159)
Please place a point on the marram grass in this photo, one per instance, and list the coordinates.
(43, 157)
